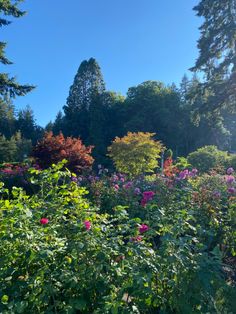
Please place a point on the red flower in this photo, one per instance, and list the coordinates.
(87, 224)
(143, 228)
(44, 221)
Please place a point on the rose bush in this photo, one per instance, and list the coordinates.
(59, 253)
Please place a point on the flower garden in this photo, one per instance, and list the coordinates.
(109, 242)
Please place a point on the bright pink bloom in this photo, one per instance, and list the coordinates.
(44, 221)
(87, 224)
(143, 228)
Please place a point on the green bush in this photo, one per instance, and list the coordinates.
(207, 158)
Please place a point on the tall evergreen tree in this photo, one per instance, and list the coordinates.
(7, 117)
(217, 57)
(8, 85)
(87, 82)
(26, 124)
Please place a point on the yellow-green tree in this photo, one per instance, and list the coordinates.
(135, 153)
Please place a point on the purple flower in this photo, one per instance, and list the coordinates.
(230, 171)
(216, 194)
(193, 173)
(137, 191)
(74, 179)
(231, 190)
(183, 174)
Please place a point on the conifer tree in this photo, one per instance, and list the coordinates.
(217, 53)
(87, 82)
(8, 85)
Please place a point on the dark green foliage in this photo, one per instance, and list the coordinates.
(8, 85)
(7, 118)
(154, 107)
(15, 148)
(208, 158)
(87, 82)
(26, 124)
(217, 53)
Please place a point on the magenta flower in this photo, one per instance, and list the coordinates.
(143, 228)
(87, 224)
(44, 221)
(230, 171)
(148, 195)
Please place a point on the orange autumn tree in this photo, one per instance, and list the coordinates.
(52, 149)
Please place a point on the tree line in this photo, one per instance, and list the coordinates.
(198, 112)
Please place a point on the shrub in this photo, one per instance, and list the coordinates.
(52, 149)
(135, 153)
(207, 158)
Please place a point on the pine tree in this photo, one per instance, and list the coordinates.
(217, 57)
(87, 82)
(8, 85)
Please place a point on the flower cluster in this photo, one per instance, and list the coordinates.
(147, 196)
(185, 174)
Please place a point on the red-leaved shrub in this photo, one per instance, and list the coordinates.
(52, 149)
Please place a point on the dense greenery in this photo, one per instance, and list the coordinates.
(166, 250)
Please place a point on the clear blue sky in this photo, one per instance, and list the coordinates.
(132, 40)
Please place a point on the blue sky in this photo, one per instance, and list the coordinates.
(132, 40)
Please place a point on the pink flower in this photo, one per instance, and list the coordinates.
(128, 185)
(230, 179)
(87, 224)
(143, 228)
(136, 239)
(44, 221)
(116, 187)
